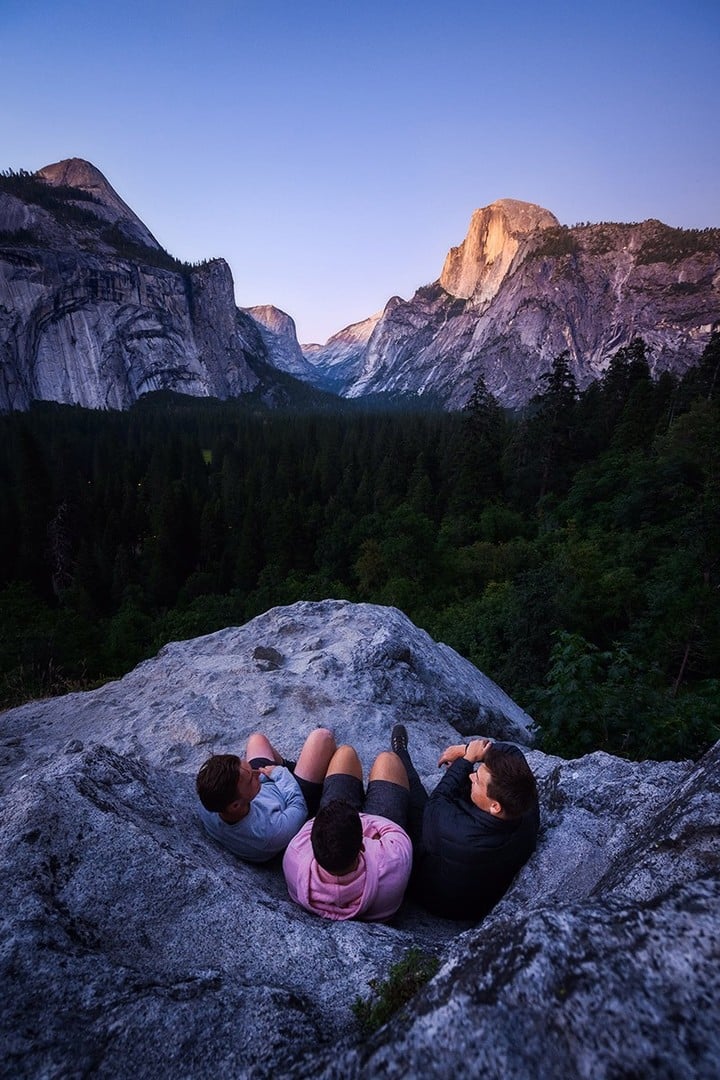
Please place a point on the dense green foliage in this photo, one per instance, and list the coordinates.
(570, 551)
(404, 980)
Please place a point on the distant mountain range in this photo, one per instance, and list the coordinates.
(520, 290)
(94, 312)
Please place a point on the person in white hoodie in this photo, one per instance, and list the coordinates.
(254, 805)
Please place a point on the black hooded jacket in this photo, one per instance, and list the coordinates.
(467, 858)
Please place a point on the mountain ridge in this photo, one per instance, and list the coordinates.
(94, 312)
(84, 176)
(527, 289)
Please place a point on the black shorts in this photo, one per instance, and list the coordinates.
(311, 791)
(383, 798)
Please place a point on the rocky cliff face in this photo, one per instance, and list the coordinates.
(521, 289)
(133, 946)
(335, 364)
(93, 312)
(499, 238)
(279, 336)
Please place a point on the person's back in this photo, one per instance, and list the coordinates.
(353, 860)
(369, 880)
(468, 857)
(475, 831)
(253, 806)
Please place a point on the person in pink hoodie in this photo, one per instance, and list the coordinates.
(353, 860)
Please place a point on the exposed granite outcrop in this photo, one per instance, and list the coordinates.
(132, 946)
(106, 203)
(498, 239)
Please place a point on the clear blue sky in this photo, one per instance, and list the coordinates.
(333, 152)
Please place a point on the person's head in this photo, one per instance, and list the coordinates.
(503, 783)
(336, 837)
(226, 784)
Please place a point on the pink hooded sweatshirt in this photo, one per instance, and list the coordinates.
(374, 890)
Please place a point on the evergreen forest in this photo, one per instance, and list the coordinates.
(570, 550)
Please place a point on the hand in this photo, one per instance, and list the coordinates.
(452, 753)
(267, 769)
(477, 749)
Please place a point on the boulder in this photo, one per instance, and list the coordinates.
(133, 946)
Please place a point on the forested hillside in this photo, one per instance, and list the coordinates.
(571, 551)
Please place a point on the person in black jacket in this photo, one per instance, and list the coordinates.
(475, 831)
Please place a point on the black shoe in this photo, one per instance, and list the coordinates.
(399, 738)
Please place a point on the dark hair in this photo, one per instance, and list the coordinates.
(336, 836)
(511, 781)
(217, 781)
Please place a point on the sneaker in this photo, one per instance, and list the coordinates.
(399, 738)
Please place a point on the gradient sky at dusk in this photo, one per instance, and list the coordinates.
(333, 152)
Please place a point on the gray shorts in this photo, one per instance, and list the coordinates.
(383, 798)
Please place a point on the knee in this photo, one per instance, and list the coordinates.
(257, 743)
(388, 766)
(345, 759)
(322, 736)
(385, 761)
(346, 748)
(320, 744)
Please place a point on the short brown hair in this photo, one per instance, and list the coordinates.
(336, 836)
(217, 781)
(511, 781)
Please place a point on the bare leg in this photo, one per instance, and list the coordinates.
(388, 766)
(259, 746)
(316, 755)
(345, 760)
